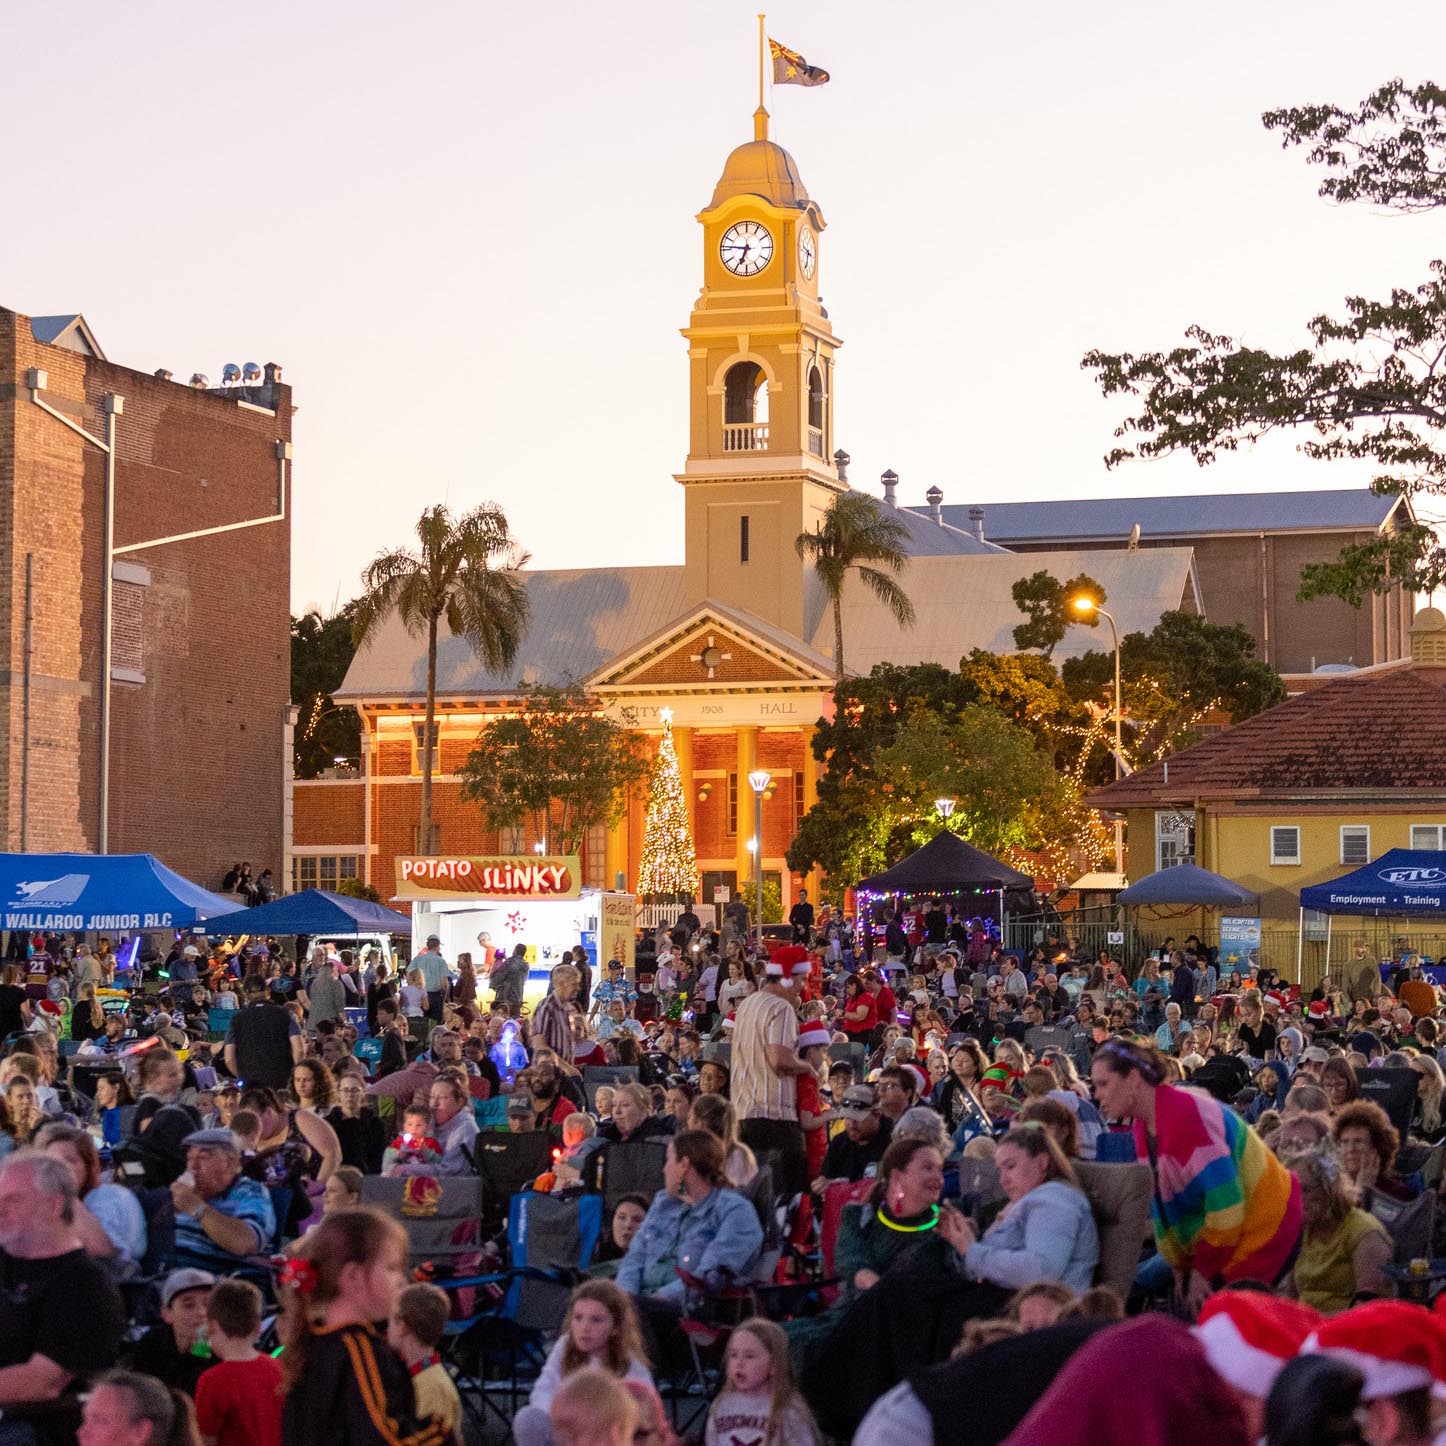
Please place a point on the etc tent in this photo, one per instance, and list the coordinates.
(1187, 884)
(948, 865)
(106, 893)
(1402, 882)
(315, 911)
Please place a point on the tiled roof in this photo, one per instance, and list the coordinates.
(1185, 515)
(1384, 731)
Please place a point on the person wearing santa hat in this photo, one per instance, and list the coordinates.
(813, 1119)
(1249, 1336)
(1400, 1350)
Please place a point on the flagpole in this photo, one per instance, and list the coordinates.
(762, 46)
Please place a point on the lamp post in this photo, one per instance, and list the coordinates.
(758, 781)
(1085, 606)
(946, 809)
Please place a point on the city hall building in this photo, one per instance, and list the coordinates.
(737, 640)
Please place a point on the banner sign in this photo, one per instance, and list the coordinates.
(1239, 943)
(617, 929)
(536, 877)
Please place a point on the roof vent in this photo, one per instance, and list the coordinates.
(935, 498)
(890, 479)
(199, 381)
(1428, 638)
(841, 460)
(976, 522)
(163, 375)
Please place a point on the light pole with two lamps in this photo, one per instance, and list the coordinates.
(1085, 605)
(758, 781)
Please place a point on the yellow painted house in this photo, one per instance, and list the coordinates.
(1303, 793)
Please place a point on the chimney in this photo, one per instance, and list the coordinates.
(935, 498)
(841, 460)
(976, 522)
(272, 372)
(1428, 638)
(890, 479)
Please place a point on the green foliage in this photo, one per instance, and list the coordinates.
(1172, 676)
(772, 900)
(1046, 603)
(465, 573)
(321, 652)
(355, 889)
(561, 764)
(1028, 690)
(1368, 385)
(852, 536)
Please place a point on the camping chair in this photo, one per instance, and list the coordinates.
(509, 1164)
(594, 1075)
(1409, 1223)
(1119, 1197)
(622, 1167)
(853, 1054)
(441, 1215)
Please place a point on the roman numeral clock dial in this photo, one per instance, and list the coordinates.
(746, 248)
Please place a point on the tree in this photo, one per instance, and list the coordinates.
(854, 533)
(1045, 601)
(464, 572)
(668, 864)
(321, 652)
(1028, 690)
(1368, 385)
(561, 763)
(353, 888)
(1171, 678)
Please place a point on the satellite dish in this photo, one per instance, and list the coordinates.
(251, 373)
(230, 374)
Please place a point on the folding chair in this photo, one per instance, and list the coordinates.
(623, 1167)
(854, 1055)
(441, 1215)
(509, 1164)
(594, 1075)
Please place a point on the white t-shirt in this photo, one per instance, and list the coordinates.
(741, 1419)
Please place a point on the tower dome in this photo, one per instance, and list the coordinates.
(761, 168)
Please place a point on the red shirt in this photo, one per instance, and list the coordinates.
(815, 1142)
(887, 1005)
(239, 1402)
(861, 1028)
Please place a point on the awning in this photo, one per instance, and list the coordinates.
(317, 911)
(102, 893)
(946, 864)
(1403, 881)
(1102, 882)
(1188, 884)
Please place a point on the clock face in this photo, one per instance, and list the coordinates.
(807, 253)
(746, 248)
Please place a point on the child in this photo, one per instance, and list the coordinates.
(813, 1119)
(413, 1333)
(344, 1385)
(600, 1330)
(416, 1144)
(246, 1126)
(840, 1077)
(414, 996)
(759, 1401)
(592, 1408)
(238, 1401)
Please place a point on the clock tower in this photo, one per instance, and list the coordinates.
(761, 369)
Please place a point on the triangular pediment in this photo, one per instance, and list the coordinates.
(712, 646)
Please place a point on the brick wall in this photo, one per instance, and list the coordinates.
(329, 811)
(198, 753)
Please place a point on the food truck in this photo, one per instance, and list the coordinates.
(536, 900)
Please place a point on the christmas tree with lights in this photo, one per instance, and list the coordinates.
(668, 865)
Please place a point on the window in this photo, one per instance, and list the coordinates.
(595, 855)
(1428, 836)
(1355, 843)
(731, 828)
(419, 731)
(745, 408)
(323, 871)
(1174, 839)
(1285, 844)
(798, 809)
(743, 538)
(512, 839)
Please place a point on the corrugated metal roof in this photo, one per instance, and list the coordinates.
(69, 331)
(580, 619)
(1187, 515)
(927, 538)
(961, 605)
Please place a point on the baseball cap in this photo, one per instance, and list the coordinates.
(1315, 1054)
(858, 1102)
(519, 1103)
(190, 952)
(433, 939)
(180, 1281)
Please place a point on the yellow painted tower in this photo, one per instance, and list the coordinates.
(760, 464)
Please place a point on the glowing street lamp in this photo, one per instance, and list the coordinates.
(945, 807)
(758, 781)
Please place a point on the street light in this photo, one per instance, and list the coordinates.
(758, 781)
(1085, 606)
(945, 807)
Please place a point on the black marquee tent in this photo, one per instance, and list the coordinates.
(946, 865)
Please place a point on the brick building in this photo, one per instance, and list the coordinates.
(200, 747)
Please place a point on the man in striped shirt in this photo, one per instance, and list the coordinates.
(552, 1022)
(763, 1089)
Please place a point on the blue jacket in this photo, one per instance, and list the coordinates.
(1048, 1235)
(718, 1234)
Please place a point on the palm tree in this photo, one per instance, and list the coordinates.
(854, 532)
(465, 571)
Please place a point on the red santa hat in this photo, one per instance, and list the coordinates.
(1249, 1336)
(1319, 1009)
(814, 1034)
(773, 970)
(1396, 1346)
(801, 969)
(1278, 1000)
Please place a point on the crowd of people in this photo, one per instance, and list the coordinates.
(883, 1154)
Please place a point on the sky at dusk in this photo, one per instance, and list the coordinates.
(467, 231)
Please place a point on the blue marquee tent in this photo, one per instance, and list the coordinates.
(316, 911)
(1403, 881)
(104, 893)
(1187, 884)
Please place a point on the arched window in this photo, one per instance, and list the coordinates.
(745, 408)
(815, 411)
